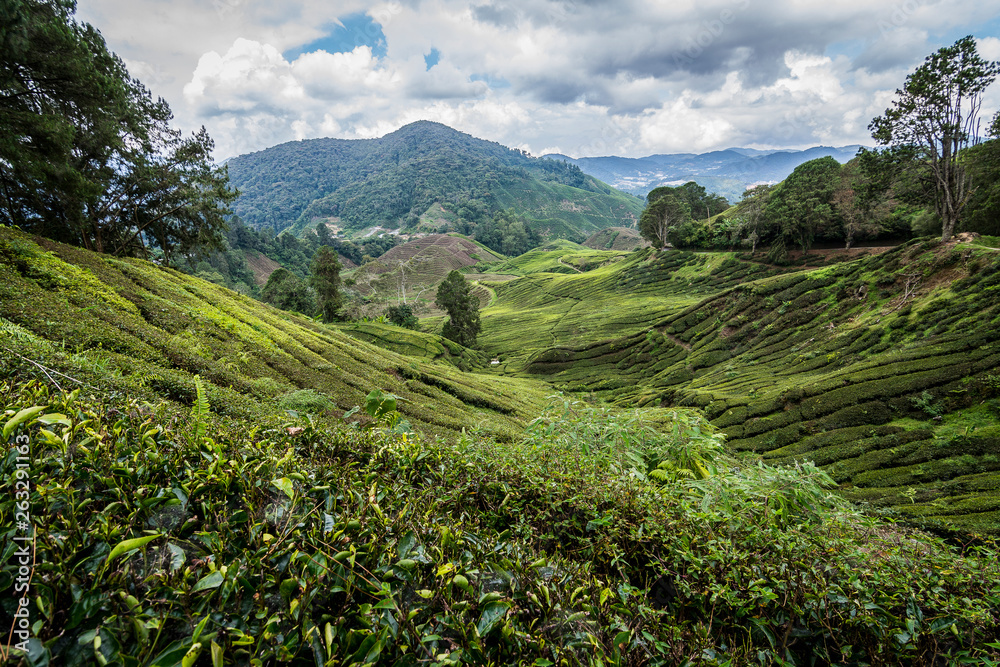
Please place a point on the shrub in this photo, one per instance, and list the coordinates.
(306, 400)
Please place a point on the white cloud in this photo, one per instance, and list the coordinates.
(628, 78)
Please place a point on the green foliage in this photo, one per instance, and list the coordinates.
(936, 115)
(982, 214)
(456, 298)
(629, 440)
(308, 401)
(392, 181)
(800, 209)
(324, 544)
(324, 278)
(131, 326)
(663, 217)
(286, 291)
(199, 412)
(699, 201)
(507, 234)
(402, 316)
(87, 156)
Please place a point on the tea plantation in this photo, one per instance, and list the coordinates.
(215, 482)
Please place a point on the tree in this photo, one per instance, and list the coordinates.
(863, 216)
(699, 201)
(664, 212)
(323, 234)
(325, 279)
(749, 213)
(87, 156)
(456, 298)
(937, 115)
(800, 208)
(286, 291)
(402, 316)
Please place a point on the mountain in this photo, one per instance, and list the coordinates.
(728, 172)
(415, 177)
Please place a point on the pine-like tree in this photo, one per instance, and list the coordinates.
(325, 279)
(455, 296)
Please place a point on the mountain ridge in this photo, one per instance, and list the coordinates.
(391, 181)
(728, 171)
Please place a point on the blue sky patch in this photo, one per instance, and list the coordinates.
(358, 30)
(432, 58)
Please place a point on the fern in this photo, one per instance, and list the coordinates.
(199, 412)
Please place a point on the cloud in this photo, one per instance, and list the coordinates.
(589, 76)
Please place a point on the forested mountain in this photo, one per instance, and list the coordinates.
(728, 172)
(393, 181)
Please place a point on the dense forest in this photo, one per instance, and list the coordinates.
(392, 181)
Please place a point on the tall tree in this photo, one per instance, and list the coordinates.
(286, 291)
(983, 162)
(664, 212)
(749, 214)
(325, 279)
(86, 155)
(937, 114)
(456, 298)
(700, 201)
(800, 207)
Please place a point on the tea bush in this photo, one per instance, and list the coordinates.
(166, 537)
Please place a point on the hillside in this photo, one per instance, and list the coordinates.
(727, 172)
(411, 272)
(393, 181)
(882, 369)
(192, 494)
(616, 238)
(127, 325)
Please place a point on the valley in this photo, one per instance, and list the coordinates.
(377, 391)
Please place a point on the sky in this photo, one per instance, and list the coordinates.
(577, 77)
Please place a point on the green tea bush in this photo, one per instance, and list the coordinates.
(165, 537)
(306, 400)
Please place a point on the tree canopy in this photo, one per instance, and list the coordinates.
(665, 212)
(456, 298)
(936, 114)
(87, 156)
(286, 291)
(325, 279)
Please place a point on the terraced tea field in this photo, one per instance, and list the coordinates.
(614, 294)
(129, 326)
(885, 370)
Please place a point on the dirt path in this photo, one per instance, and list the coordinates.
(569, 265)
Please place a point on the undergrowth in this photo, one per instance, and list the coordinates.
(168, 537)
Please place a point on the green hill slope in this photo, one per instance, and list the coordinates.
(392, 181)
(131, 325)
(883, 370)
(207, 523)
(412, 271)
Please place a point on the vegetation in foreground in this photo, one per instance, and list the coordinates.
(597, 538)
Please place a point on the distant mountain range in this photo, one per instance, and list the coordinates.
(424, 177)
(728, 172)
